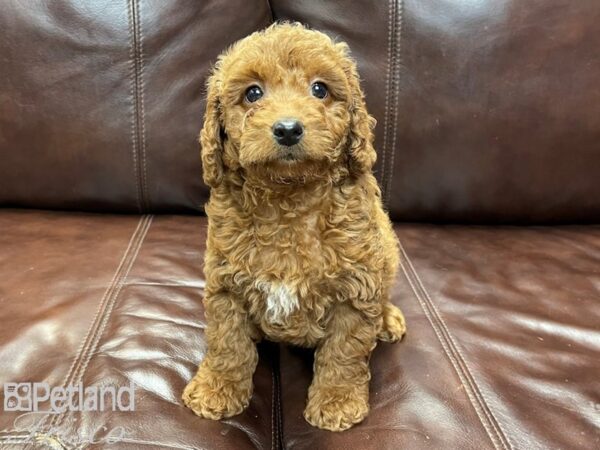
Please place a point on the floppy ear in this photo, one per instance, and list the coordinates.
(211, 136)
(362, 155)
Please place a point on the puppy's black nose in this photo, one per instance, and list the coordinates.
(288, 131)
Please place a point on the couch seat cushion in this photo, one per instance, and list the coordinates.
(109, 300)
(502, 349)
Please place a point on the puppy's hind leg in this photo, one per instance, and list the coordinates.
(394, 324)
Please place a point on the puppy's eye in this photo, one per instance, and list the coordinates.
(253, 93)
(318, 90)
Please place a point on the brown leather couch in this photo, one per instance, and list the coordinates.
(489, 159)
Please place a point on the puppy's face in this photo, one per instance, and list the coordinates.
(283, 105)
(286, 104)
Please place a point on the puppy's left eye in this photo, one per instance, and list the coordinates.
(318, 89)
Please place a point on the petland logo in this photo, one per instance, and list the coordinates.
(30, 397)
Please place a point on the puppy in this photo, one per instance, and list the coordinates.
(299, 249)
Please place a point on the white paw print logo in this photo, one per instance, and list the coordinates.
(17, 396)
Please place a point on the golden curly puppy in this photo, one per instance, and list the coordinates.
(299, 248)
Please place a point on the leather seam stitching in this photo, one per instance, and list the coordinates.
(26, 439)
(132, 92)
(272, 408)
(116, 295)
(85, 342)
(15, 440)
(58, 418)
(142, 110)
(396, 92)
(474, 394)
(138, 127)
(9, 430)
(12, 433)
(388, 78)
(276, 428)
(111, 299)
(159, 444)
(279, 394)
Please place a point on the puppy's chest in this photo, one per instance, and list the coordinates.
(287, 268)
(290, 313)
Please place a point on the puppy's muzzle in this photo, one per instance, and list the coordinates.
(288, 132)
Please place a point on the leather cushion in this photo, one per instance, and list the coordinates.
(101, 102)
(106, 301)
(502, 348)
(487, 111)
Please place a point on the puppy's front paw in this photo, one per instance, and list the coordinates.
(337, 408)
(212, 397)
(394, 324)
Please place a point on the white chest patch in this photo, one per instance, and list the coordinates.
(281, 301)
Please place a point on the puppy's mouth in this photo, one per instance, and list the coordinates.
(290, 155)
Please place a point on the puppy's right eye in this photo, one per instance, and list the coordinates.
(253, 93)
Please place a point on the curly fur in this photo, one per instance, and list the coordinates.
(298, 252)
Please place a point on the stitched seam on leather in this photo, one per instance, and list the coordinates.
(92, 331)
(84, 343)
(142, 109)
(478, 391)
(388, 81)
(137, 111)
(279, 393)
(280, 416)
(132, 89)
(450, 357)
(477, 400)
(106, 308)
(49, 441)
(396, 93)
(13, 434)
(111, 303)
(276, 428)
(15, 439)
(158, 444)
(272, 408)
(38, 438)
(115, 297)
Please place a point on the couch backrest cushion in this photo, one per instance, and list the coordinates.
(101, 102)
(488, 111)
